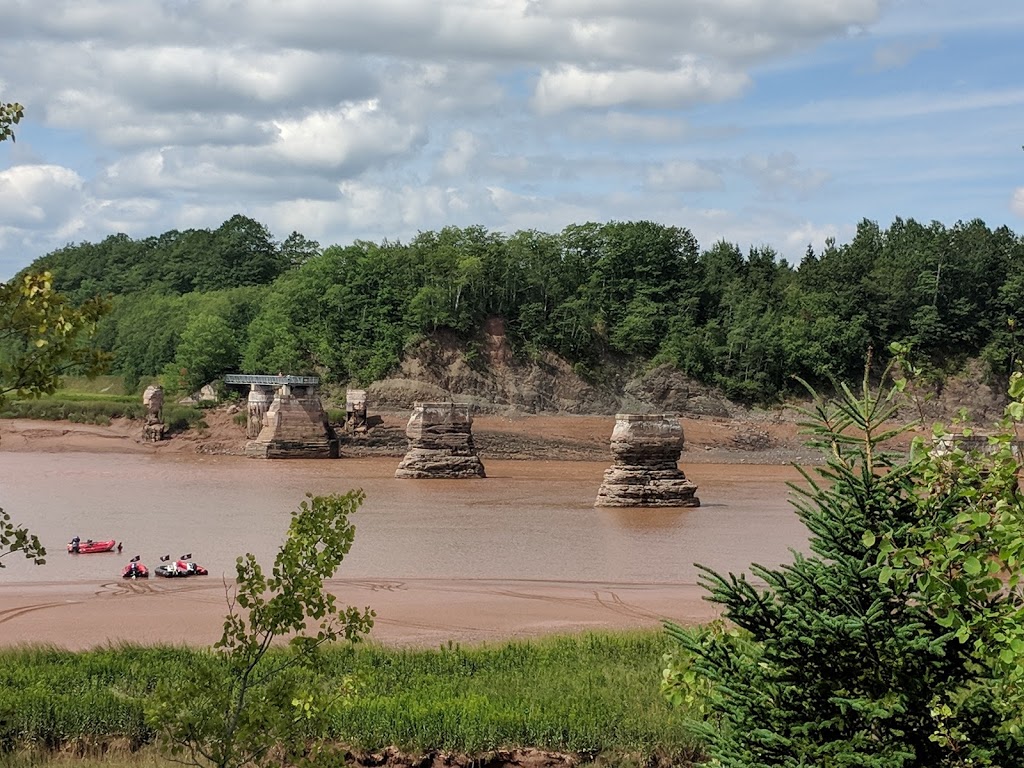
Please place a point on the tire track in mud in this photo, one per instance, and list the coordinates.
(617, 605)
(16, 613)
(601, 600)
(130, 587)
(612, 602)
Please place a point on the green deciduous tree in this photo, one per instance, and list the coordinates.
(896, 643)
(17, 538)
(208, 349)
(246, 701)
(42, 336)
(961, 555)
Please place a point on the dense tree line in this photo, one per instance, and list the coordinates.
(206, 302)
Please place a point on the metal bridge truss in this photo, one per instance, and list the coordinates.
(271, 381)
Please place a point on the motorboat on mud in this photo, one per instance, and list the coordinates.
(78, 547)
(135, 570)
(180, 568)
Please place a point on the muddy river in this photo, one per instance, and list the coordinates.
(521, 552)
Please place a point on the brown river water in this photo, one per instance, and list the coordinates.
(522, 552)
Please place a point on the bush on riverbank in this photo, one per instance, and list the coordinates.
(83, 408)
(594, 694)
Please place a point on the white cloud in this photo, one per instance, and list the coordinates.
(623, 125)
(814, 235)
(1017, 201)
(898, 54)
(396, 212)
(37, 195)
(460, 154)
(683, 175)
(517, 211)
(692, 82)
(354, 135)
(904, 105)
(345, 119)
(781, 173)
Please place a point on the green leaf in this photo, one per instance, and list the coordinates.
(972, 566)
(868, 539)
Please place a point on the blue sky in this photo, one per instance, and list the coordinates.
(762, 122)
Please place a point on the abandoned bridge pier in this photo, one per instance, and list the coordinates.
(285, 418)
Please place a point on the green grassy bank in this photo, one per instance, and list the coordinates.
(594, 694)
(96, 401)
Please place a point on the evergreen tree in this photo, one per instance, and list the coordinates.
(846, 657)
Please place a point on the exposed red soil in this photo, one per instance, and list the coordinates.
(769, 439)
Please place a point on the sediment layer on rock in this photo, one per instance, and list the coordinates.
(425, 463)
(295, 426)
(645, 473)
(440, 443)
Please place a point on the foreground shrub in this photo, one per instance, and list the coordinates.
(241, 701)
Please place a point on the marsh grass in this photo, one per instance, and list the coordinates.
(592, 694)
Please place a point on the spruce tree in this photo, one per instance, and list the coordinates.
(845, 657)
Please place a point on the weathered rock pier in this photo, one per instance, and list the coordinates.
(285, 418)
(154, 428)
(440, 443)
(646, 450)
(261, 397)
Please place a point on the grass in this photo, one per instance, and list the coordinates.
(594, 694)
(97, 401)
(99, 385)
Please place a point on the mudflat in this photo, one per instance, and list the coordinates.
(520, 554)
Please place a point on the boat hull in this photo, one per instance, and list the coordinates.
(92, 547)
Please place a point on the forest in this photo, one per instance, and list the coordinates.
(192, 305)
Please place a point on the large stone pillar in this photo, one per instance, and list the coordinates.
(645, 472)
(295, 427)
(260, 398)
(355, 410)
(440, 443)
(154, 428)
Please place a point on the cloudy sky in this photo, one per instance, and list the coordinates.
(763, 122)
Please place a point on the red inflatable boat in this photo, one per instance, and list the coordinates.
(78, 547)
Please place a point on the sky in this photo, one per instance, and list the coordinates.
(761, 122)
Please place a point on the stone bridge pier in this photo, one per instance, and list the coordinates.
(646, 473)
(261, 396)
(440, 443)
(285, 418)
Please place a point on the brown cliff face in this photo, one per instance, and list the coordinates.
(492, 378)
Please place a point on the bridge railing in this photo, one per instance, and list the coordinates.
(270, 380)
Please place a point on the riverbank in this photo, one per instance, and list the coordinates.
(770, 437)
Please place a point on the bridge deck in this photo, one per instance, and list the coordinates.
(270, 380)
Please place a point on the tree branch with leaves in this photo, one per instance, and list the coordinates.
(10, 115)
(42, 336)
(249, 697)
